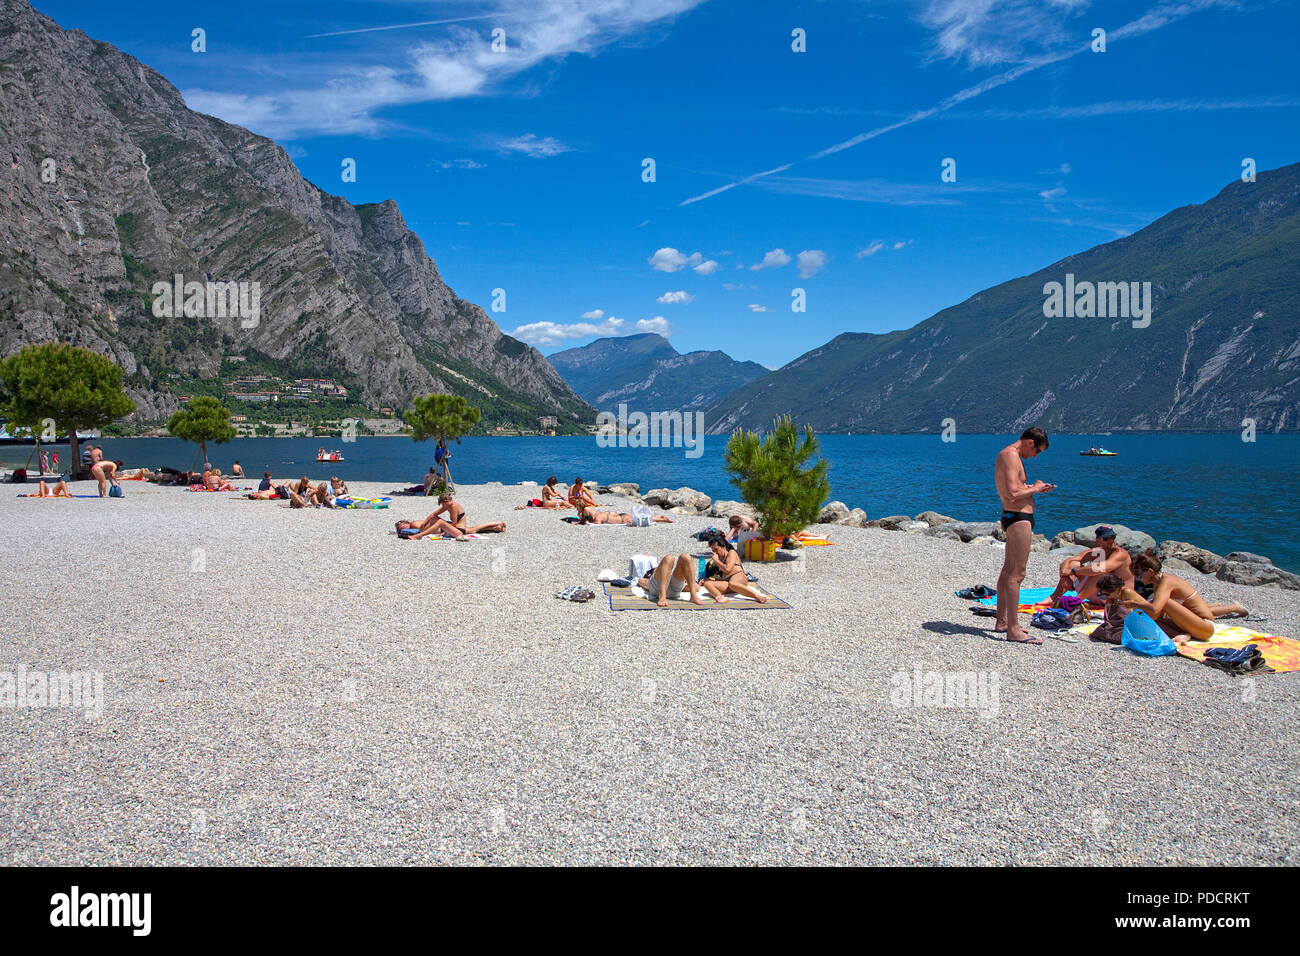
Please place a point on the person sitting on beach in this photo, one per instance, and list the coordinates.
(237, 470)
(741, 525)
(1080, 572)
(338, 488)
(725, 574)
(453, 526)
(104, 472)
(669, 577)
(614, 517)
(266, 482)
(305, 496)
(431, 479)
(212, 481)
(580, 497)
(554, 494)
(1175, 605)
(45, 491)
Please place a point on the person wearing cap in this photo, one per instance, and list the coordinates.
(1081, 572)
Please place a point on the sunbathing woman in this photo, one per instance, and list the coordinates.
(213, 481)
(104, 472)
(453, 526)
(303, 495)
(580, 497)
(58, 491)
(554, 493)
(1175, 606)
(614, 517)
(724, 573)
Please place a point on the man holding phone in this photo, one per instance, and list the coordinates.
(1018, 523)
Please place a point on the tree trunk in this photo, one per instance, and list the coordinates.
(74, 451)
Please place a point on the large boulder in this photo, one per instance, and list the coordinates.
(1254, 573)
(985, 539)
(1063, 539)
(669, 498)
(933, 518)
(725, 509)
(1247, 557)
(833, 512)
(1178, 566)
(890, 523)
(627, 489)
(1207, 562)
(1040, 545)
(943, 533)
(1134, 542)
(966, 530)
(857, 518)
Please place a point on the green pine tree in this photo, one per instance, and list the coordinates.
(202, 420)
(774, 474)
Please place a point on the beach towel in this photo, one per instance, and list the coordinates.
(621, 599)
(1281, 654)
(1031, 599)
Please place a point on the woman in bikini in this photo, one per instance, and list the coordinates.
(104, 472)
(580, 497)
(1174, 605)
(613, 517)
(453, 526)
(724, 573)
(58, 491)
(554, 493)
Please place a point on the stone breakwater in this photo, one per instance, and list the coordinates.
(1180, 557)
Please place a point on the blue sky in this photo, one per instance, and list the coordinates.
(775, 169)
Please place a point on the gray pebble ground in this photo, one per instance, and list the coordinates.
(299, 687)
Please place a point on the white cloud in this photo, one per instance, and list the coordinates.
(901, 244)
(658, 325)
(447, 62)
(754, 307)
(774, 259)
(667, 259)
(530, 145)
(463, 164)
(545, 334)
(987, 33)
(810, 262)
(707, 267)
(675, 298)
(871, 250)
(1050, 194)
(594, 314)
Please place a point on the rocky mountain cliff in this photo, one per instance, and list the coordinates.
(1223, 343)
(113, 185)
(647, 373)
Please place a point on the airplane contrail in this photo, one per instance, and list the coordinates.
(402, 26)
(1152, 20)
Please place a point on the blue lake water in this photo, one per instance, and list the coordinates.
(1214, 490)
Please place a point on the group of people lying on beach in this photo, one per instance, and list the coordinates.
(302, 494)
(1104, 575)
(453, 525)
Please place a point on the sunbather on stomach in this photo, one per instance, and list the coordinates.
(614, 517)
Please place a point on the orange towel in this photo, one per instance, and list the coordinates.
(1280, 653)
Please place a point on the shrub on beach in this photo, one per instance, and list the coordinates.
(774, 475)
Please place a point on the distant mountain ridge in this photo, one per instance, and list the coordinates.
(114, 184)
(647, 373)
(1223, 345)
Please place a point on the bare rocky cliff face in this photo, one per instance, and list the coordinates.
(111, 184)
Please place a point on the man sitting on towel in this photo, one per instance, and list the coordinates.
(1081, 572)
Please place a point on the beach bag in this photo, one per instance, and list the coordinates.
(115, 491)
(759, 549)
(19, 477)
(642, 516)
(1144, 636)
(1111, 629)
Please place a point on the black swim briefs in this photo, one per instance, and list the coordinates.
(1011, 517)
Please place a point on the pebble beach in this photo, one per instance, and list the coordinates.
(301, 687)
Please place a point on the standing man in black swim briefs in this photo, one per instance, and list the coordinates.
(1018, 522)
